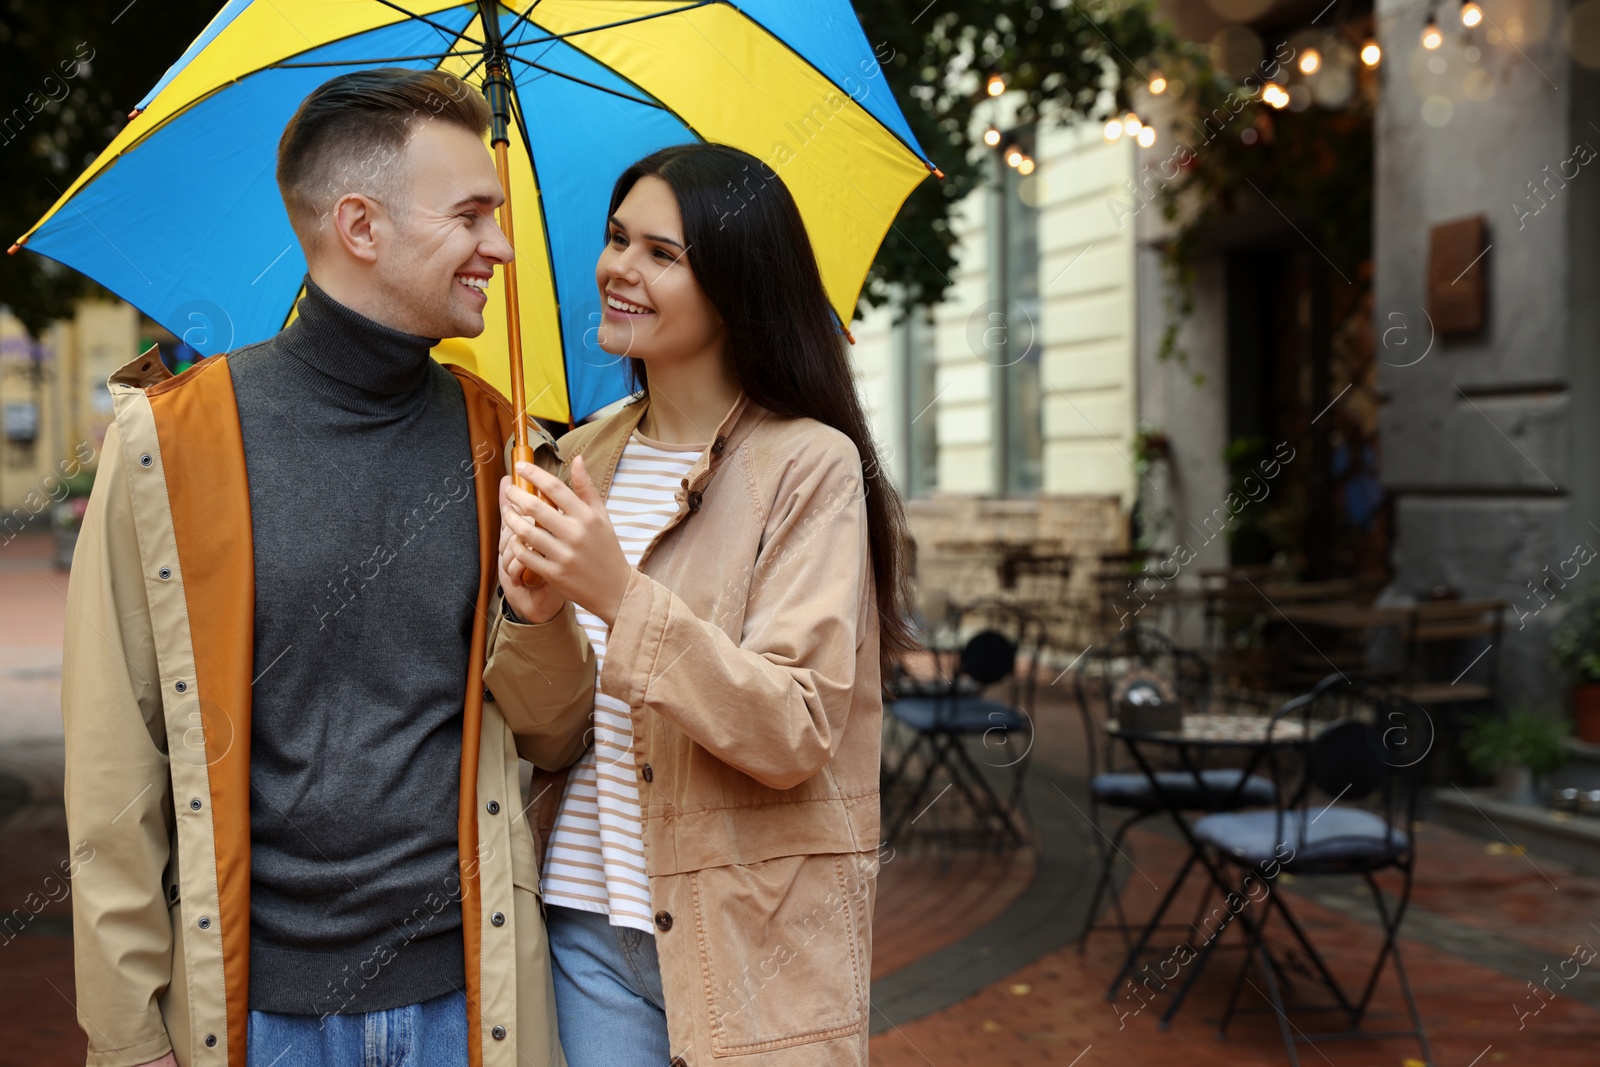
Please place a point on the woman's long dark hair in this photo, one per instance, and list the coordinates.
(753, 259)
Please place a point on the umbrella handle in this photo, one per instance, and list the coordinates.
(523, 453)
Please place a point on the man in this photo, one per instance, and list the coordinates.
(302, 806)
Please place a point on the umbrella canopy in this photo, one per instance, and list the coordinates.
(181, 215)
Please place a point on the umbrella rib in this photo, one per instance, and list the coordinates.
(386, 59)
(608, 26)
(521, 21)
(455, 35)
(586, 83)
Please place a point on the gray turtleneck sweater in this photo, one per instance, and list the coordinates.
(364, 520)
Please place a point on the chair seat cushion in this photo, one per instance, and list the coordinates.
(1337, 838)
(956, 715)
(1133, 790)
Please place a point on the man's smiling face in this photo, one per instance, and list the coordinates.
(442, 242)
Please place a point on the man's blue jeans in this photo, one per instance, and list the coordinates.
(609, 1004)
(430, 1034)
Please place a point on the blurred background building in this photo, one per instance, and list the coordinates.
(1420, 339)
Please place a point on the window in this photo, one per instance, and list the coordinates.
(1015, 348)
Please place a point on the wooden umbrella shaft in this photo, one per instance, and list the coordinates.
(521, 450)
(497, 89)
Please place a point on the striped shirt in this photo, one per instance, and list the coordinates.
(596, 857)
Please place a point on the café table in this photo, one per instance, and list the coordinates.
(1419, 624)
(1248, 738)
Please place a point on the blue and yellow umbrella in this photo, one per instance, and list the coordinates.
(181, 215)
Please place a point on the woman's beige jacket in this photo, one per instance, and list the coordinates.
(746, 646)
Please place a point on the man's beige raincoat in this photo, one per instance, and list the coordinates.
(156, 700)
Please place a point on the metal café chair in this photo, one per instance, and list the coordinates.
(1131, 791)
(1348, 810)
(1003, 654)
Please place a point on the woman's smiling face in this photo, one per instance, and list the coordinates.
(652, 305)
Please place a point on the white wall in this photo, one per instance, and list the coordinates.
(1088, 330)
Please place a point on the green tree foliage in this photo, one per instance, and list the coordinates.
(1067, 60)
(69, 74)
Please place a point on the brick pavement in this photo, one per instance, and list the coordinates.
(1053, 1011)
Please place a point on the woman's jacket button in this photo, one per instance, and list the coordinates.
(694, 500)
(718, 445)
(211, 1041)
(678, 1061)
(663, 920)
(494, 807)
(498, 1033)
(498, 918)
(648, 772)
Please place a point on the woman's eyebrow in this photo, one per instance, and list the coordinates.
(648, 236)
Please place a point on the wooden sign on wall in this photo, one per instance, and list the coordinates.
(1458, 275)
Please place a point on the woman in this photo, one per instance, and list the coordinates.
(733, 550)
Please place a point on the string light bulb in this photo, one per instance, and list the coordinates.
(1014, 158)
(1026, 166)
(1131, 125)
(1158, 83)
(1431, 37)
(997, 85)
(1275, 95)
(1147, 136)
(1113, 129)
(991, 137)
(1471, 14)
(1371, 54)
(1311, 60)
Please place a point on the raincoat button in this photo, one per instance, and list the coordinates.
(182, 687)
(205, 922)
(498, 918)
(718, 445)
(164, 573)
(663, 920)
(172, 894)
(678, 1061)
(498, 1033)
(145, 460)
(488, 697)
(194, 805)
(494, 807)
(211, 1041)
(648, 772)
(694, 500)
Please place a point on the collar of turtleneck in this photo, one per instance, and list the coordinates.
(366, 360)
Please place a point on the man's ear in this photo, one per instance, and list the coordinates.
(354, 219)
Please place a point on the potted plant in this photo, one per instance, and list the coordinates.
(1515, 749)
(1575, 646)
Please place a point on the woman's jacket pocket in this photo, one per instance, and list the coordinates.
(783, 951)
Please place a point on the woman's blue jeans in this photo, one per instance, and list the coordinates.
(609, 1004)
